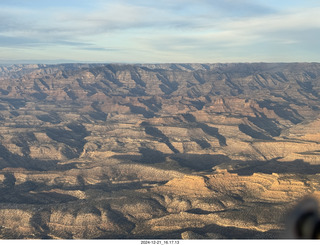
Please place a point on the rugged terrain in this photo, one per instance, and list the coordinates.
(156, 150)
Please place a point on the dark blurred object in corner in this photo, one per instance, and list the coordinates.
(303, 222)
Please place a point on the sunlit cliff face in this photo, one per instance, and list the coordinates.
(156, 151)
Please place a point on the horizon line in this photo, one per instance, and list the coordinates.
(61, 62)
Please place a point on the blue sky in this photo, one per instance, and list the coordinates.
(162, 31)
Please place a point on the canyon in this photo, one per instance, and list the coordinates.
(157, 151)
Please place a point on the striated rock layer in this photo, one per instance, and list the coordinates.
(156, 150)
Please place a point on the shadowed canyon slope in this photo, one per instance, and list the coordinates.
(156, 150)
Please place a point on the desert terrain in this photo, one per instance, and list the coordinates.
(138, 151)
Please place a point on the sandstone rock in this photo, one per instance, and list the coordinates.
(192, 151)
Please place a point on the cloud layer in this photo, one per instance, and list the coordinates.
(160, 31)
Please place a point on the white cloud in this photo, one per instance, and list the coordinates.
(160, 30)
(282, 28)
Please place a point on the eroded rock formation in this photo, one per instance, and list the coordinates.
(156, 151)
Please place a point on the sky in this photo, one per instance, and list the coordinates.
(159, 31)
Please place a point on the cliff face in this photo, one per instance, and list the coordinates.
(112, 151)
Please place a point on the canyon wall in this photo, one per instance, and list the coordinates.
(156, 150)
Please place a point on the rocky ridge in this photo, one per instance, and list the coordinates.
(156, 150)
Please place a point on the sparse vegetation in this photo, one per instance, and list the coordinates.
(156, 151)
